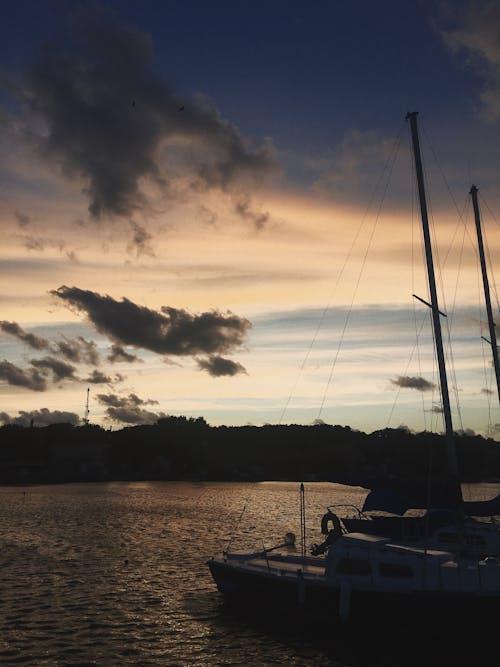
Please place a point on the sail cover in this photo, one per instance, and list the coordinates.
(398, 496)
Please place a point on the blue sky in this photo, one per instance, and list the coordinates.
(186, 187)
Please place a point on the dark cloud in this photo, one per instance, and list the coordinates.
(59, 369)
(119, 354)
(474, 33)
(244, 210)
(128, 409)
(108, 117)
(408, 382)
(40, 243)
(116, 401)
(170, 331)
(29, 378)
(98, 377)
(43, 417)
(36, 342)
(134, 415)
(208, 216)
(140, 241)
(23, 220)
(78, 350)
(217, 366)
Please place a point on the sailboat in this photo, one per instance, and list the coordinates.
(395, 496)
(352, 574)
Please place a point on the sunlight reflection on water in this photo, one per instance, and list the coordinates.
(115, 574)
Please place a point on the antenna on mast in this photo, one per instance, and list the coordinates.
(86, 414)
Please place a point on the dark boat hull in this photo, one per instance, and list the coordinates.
(263, 591)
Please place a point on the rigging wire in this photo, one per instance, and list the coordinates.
(490, 263)
(418, 330)
(341, 273)
(388, 169)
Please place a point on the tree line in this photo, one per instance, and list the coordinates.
(184, 448)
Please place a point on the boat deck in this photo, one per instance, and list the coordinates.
(283, 566)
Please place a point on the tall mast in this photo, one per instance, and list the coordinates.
(450, 442)
(86, 416)
(486, 286)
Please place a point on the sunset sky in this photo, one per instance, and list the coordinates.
(208, 209)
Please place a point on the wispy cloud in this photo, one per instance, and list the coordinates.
(29, 378)
(59, 369)
(34, 341)
(476, 34)
(78, 350)
(118, 354)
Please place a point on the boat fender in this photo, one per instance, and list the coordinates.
(334, 532)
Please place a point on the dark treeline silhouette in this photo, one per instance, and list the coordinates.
(181, 448)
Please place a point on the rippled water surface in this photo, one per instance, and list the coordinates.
(115, 574)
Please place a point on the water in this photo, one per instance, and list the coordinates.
(115, 574)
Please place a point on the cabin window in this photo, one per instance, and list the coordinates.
(353, 566)
(395, 570)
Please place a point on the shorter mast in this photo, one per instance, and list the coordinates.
(486, 286)
(450, 441)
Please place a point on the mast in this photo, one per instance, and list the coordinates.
(86, 415)
(486, 286)
(443, 380)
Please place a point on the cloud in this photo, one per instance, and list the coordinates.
(119, 354)
(352, 170)
(171, 331)
(110, 120)
(36, 342)
(30, 378)
(43, 417)
(23, 220)
(40, 244)
(128, 409)
(476, 34)
(217, 366)
(78, 350)
(116, 401)
(244, 210)
(59, 369)
(140, 241)
(408, 382)
(98, 377)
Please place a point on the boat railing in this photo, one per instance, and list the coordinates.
(341, 507)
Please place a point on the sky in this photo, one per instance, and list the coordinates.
(209, 209)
